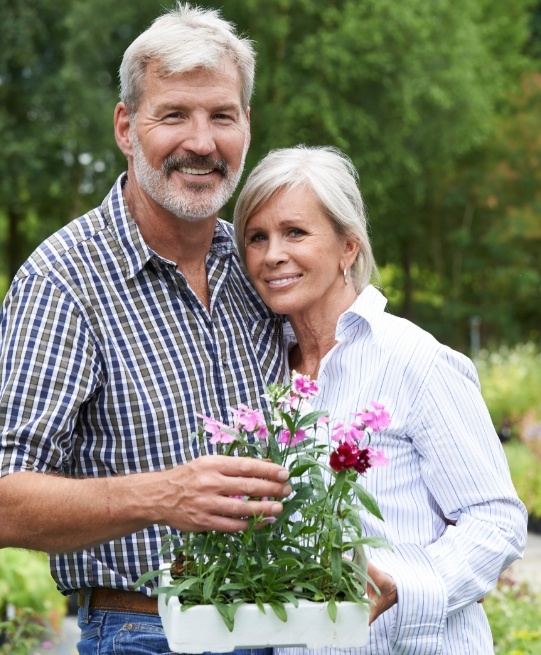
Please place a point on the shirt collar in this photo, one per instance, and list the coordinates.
(135, 252)
(369, 306)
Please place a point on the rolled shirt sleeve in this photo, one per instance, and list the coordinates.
(49, 367)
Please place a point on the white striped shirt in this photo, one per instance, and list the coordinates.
(446, 464)
(106, 356)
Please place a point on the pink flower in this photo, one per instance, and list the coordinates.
(347, 433)
(285, 437)
(220, 432)
(377, 458)
(297, 404)
(250, 420)
(303, 386)
(377, 419)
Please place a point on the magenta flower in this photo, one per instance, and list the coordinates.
(303, 386)
(344, 457)
(363, 462)
(250, 420)
(377, 418)
(285, 437)
(220, 432)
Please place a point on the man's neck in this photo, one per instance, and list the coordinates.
(183, 242)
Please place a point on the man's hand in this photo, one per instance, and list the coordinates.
(386, 598)
(57, 514)
(215, 492)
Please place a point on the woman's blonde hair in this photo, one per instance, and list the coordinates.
(332, 177)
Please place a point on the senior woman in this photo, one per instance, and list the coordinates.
(451, 513)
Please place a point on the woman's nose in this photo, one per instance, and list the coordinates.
(276, 251)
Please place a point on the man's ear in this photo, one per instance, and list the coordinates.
(247, 114)
(123, 129)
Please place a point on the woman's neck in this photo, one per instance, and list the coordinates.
(316, 336)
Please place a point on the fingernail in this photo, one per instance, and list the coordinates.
(287, 490)
(283, 475)
(276, 508)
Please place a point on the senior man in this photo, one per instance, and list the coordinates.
(126, 323)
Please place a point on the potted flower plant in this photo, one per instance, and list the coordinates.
(310, 556)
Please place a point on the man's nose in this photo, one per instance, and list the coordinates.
(199, 137)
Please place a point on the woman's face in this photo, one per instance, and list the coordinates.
(293, 255)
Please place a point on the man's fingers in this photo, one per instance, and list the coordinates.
(250, 467)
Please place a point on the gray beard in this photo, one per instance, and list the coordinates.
(199, 203)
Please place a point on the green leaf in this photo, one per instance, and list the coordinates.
(338, 486)
(336, 565)
(279, 610)
(291, 598)
(298, 470)
(143, 579)
(227, 612)
(208, 586)
(331, 609)
(310, 419)
(288, 421)
(177, 589)
(367, 500)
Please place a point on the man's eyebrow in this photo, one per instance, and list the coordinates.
(230, 107)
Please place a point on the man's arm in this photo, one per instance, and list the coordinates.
(56, 514)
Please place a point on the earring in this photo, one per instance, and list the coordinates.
(345, 275)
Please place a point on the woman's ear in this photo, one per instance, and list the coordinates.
(350, 251)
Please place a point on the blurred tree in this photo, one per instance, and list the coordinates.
(415, 92)
(58, 79)
(407, 89)
(491, 226)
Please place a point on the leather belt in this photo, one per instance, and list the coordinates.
(117, 600)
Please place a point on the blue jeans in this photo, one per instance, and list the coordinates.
(120, 633)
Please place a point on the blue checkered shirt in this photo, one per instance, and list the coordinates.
(107, 355)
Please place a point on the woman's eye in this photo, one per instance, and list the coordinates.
(256, 239)
(296, 232)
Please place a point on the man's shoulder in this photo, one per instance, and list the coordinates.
(62, 247)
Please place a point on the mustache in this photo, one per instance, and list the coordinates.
(174, 163)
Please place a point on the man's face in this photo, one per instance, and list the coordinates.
(190, 137)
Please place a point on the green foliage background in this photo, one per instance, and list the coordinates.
(436, 102)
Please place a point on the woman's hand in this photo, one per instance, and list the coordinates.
(387, 595)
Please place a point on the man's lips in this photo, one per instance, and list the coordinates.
(195, 171)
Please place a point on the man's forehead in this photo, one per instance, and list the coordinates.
(226, 69)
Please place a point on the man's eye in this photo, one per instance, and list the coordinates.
(174, 116)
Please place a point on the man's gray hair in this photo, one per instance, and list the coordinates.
(332, 177)
(182, 40)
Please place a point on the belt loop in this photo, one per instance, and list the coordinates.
(87, 592)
